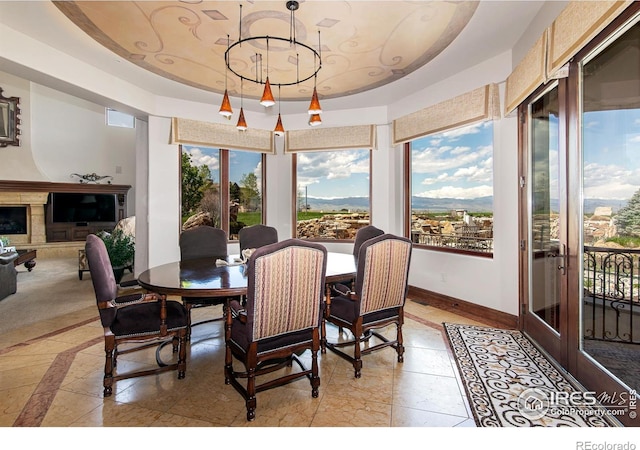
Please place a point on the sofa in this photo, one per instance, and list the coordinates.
(8, 274)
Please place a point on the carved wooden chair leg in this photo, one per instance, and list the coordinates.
(182, 355)
(357, 355)
(251, 401)
(109, 365)
(399, 346)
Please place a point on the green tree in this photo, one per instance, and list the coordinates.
(250, 197)
(628, 218)
(195, 181)
(235, 193)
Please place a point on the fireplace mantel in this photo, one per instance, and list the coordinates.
(48, 186)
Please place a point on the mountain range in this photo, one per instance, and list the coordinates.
(481, 204)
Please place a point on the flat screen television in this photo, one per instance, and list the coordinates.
(81, 207)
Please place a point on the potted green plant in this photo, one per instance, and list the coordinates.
(121, 249)
(4, 242)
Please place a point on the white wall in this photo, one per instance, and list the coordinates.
(163, 214)
(16, 162)
(489, 282)
(62, 134)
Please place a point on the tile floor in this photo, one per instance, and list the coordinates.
(54, 379)
(51, 367)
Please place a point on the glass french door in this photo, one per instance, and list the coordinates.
(580, 218)
(544, 237)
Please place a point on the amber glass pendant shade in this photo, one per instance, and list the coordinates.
(315, 120)
(279, 129)
(267, 97)
(242, 124)
(314, 107)
(225, 108)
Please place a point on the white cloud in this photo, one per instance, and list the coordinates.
(458, 192)
(198, 158)
(610, 181)
(439, 178)
(315, 167)
(464, 131)
(474, 174)
(435, 161)
(460, 150)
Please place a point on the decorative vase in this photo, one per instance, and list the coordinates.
(118, 273)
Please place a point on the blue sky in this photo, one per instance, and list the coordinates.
(334, 174)
(454, 164)
(240, 163)
(611, 163)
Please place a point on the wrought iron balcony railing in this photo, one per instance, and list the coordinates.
(475, 243)
(611, 289)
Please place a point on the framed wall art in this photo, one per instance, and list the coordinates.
(9, 120)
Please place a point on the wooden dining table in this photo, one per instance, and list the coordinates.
(205, 277)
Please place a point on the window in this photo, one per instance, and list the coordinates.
(451, 187)
(119, 119)
(332, 193)
(213, 177)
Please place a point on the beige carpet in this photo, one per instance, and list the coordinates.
(50, 290)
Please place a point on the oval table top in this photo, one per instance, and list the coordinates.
(203, 278)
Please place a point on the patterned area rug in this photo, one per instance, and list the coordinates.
(509, 383)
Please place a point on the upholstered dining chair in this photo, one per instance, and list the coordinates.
(376, 302)
(202, 241)
(364, 234)
(281, 319)
(144, 320)
(256, 236)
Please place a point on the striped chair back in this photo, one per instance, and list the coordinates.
(285, 288)
(383, 271)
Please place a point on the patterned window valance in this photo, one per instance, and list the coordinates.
(577, 24)
(327, 139)
(194, 132)
(475, 106)
(527, 76)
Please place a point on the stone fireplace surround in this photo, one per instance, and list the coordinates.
(33, 195)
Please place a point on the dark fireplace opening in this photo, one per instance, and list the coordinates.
(13, 220)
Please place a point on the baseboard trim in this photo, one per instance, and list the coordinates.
(490, 316)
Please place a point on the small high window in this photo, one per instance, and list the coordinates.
(120, 119)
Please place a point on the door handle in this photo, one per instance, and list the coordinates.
(562, 266)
